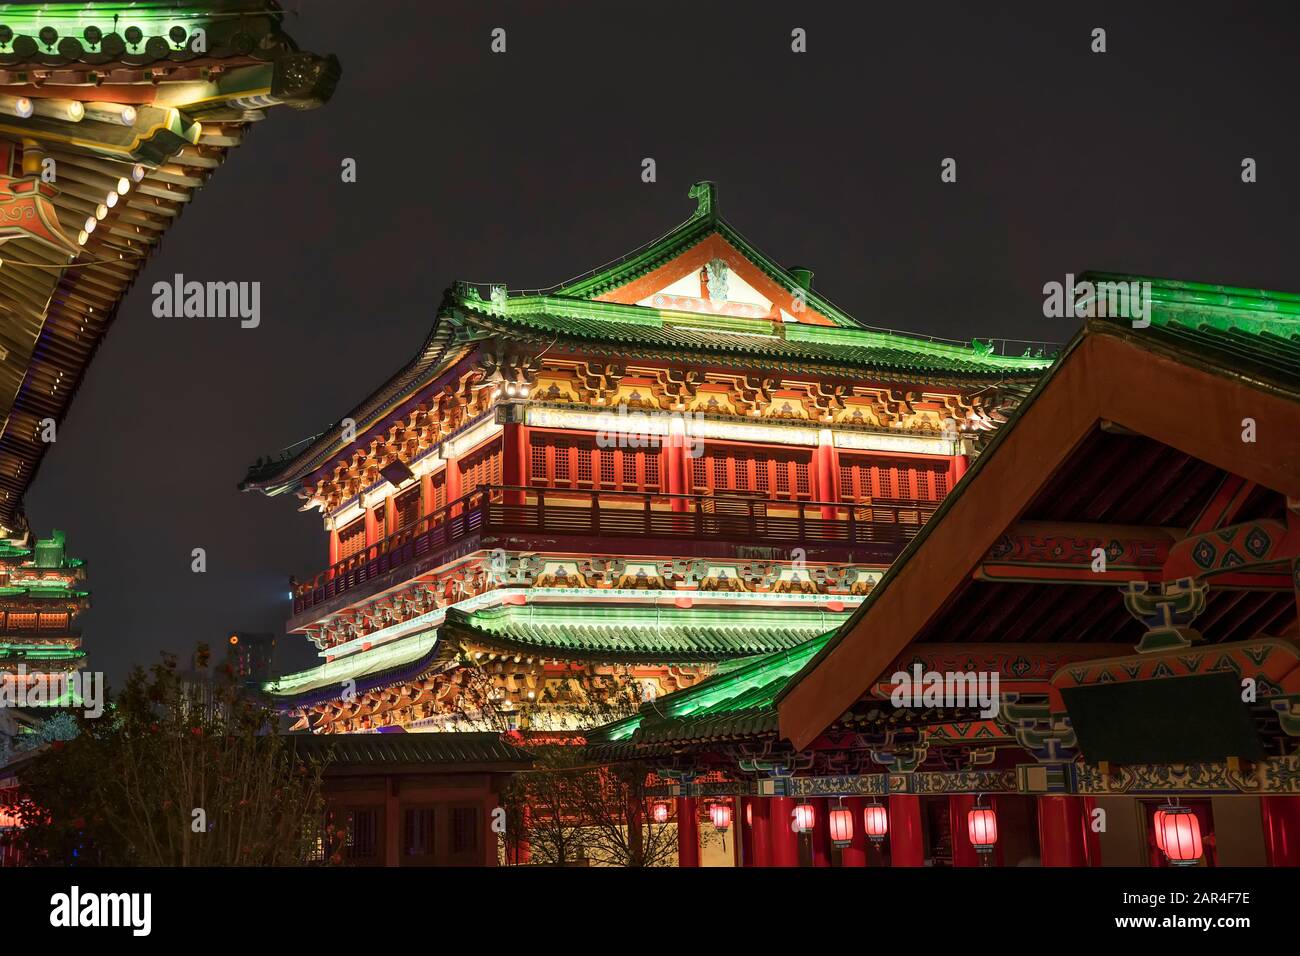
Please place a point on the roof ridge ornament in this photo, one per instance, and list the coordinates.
(705, 194)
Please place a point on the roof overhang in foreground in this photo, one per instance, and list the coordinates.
(1212, 358)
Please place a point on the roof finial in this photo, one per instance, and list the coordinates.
(705, 195)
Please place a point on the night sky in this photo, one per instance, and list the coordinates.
(524, 168)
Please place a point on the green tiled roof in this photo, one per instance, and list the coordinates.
(364, 665)
(387, 750)
(1240, 331)
(616, 325)
(741, 702)
(647, 634)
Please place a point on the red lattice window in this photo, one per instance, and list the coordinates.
(769, 473)
(481, 468)
(864, 478)
(407, 507)
(562, 461)
(352, 539)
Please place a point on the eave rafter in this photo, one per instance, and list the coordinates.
(114, 133)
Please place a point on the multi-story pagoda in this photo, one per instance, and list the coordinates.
(685, 458)
(40, 598)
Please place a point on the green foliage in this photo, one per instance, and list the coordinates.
(179, 771)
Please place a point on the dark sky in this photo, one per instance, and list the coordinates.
(524, 168)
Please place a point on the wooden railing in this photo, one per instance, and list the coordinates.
(881, 526)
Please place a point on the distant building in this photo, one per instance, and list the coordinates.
(40, 599)
(250, 656)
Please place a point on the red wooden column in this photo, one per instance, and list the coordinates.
(1061, 830)
(514, 460)
(821, 834)
(906, 838)
(426, 494)
(334, 547)
(745, 830)
(855, 854)
(761, 837)
(957, 465)
(373, 534)
(785, 842)
(518, 848)
(453, 483)
(1091, 838)
(963, 851)
(688, 832)
(826, 471)
(674, 462)
(1281, 817)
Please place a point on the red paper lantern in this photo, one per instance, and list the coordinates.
(982, 825)
(1181, 831)
(660, 813)
(876, 821)
(805, 818)
(841, 827)
(1158, 825)
(720, 813)
(749, 814)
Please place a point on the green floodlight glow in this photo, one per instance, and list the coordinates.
(750, 686)
(151, 17)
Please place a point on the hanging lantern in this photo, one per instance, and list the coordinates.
(1182, 836)
(1158, 826)
(720, 813)
(982, 825)
(876, 822)
(841, 827)
(660, 813)
(749, 814)
(805, 818)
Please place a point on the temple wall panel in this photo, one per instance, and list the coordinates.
(1123, 842)
(1238, 831)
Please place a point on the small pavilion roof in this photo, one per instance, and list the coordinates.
(466, 752)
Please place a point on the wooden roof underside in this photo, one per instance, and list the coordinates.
(55, 306)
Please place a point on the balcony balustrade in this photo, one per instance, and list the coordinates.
(879, 527)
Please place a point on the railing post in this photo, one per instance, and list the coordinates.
(541, 509)
(595, 512)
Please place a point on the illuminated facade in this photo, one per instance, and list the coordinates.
(687, 457)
